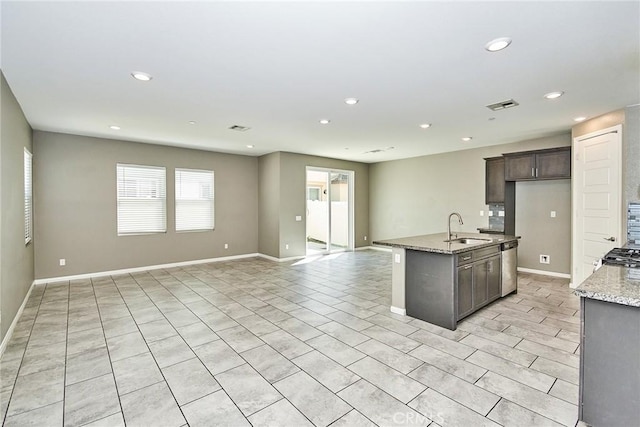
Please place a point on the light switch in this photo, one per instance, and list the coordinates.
(553, 214)
(298, 217)
(490, 213)
(481, 213)
(396, 258)
(500, 213)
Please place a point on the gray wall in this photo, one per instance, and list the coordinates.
(16, 266)
(631, 138)
(75, 206)
(269, 204)
(293, 200)
(534, 203)
(415, 196)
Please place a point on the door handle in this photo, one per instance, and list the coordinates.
(611, 239)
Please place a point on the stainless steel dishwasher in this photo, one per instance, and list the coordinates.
(509, 267)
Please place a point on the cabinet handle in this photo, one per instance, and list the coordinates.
(466, 267)
(533, 172)
(536, 172)
(466, 258)
(490, 266)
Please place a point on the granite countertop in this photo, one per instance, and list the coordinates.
(435, 243)
(613, 283)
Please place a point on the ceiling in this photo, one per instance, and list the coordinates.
(280, 67)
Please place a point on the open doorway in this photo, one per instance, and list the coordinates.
(329, 210)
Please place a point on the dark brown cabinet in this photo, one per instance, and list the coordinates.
(478, 279)
(554, 163)
(494, 180)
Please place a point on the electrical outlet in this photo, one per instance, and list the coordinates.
(63, 262)
(298, 217)
(396, 258)
(481, 213)
(226, 246)
(490, 213)
(286, 246)
(365, 238)
(545, 259)
(500, 213)
(553, 214)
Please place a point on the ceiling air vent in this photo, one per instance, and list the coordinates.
(240, 128)
(502, 105)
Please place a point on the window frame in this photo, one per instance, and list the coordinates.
(161, 190)
(28, 196)
(178, 199)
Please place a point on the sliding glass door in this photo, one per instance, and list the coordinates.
(329, 210)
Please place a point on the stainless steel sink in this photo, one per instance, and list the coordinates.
(469, 240)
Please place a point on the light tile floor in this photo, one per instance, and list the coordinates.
(254, 342)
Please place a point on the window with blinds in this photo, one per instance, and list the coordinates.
(194, 200)
(141, 199)
(28, 197)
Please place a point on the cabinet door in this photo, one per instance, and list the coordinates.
(554, 165)
(494, 277)
(480, 291)
(494, 180)
(465, 290)
(520, 167)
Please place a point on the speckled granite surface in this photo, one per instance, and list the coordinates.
(613, 283)
(435, 243)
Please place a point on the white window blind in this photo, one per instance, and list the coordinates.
(28, 197)
(194, 200)
(141, 199)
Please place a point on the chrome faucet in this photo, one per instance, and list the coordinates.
(449, 224)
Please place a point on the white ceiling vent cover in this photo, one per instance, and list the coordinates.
(502, 105)
(239, 128)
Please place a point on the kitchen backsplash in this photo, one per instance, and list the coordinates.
(633, 223)
(496, 217)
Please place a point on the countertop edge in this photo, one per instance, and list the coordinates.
(397, 243)
(601, 296)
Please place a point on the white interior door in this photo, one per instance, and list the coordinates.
(596, 199)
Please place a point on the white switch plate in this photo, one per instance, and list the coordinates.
(63, 262)
(396, 258)
(553, 214)
(490, 213)
(226, 246)
(481, 213)
(298, 217)
(500, 213)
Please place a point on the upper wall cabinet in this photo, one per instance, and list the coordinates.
(494, 180)
(554, 163)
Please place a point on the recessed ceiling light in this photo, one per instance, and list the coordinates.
(114, 127)
(325, 121)
(497, 44)
(351, 101)
(143, 77)
(425, 125)
(554, 95)
(467, 138)
(250, 146)
(191, 122)
(579, 119)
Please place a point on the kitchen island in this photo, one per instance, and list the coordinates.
(442, 280)
(610, 347)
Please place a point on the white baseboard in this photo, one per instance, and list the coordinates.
(139, 269)
(9, 333)
(400, 311)
(544, 273)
